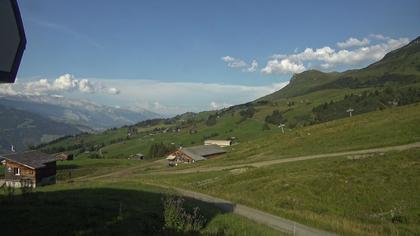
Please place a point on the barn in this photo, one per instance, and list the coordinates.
(29, 169)
(194, 154)
(220, 143)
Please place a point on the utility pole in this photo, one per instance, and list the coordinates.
(350, 110)
(281, 126)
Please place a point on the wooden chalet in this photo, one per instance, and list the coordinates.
(194, 154)
(29, 169)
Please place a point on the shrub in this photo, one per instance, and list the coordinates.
(160, 149)
(275, 118)
(211, 120)
(266, 127)
(178, 219)
(248, 113)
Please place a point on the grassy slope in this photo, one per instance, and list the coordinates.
(382, 128)
(348, 195)
(228, 125)
(104, 208)
(316, 191)
(22, 128)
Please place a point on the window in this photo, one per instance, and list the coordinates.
(16, 171)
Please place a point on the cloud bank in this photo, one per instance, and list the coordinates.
(233, 62)
(350, 52)
(330, 58)
(65, 83)
(353, 42)
(167, 98)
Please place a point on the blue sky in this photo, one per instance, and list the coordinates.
(120, 44)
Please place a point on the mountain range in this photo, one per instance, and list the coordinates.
(30, 120)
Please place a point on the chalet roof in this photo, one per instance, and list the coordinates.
(199, 153)
(193, 155)
(218, 140)
(31, 159)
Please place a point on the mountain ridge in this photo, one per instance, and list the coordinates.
(402, 63)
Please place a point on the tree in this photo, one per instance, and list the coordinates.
(211, 120)
(275, 118)
(160, 149)
(248, 113)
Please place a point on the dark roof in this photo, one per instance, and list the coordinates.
(194, 156)
(199, 153)
(31, 159)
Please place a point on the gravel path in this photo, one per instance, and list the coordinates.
(275, 222)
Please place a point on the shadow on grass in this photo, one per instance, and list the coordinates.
(96, 211)
(67, 167)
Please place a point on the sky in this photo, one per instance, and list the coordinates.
(191, 55)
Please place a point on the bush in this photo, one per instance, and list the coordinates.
(247, 113)
(275, 118)
(211, 120)
(178, 219)
(266, 127)
(160, 149)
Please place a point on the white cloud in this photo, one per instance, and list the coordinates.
(234, 62)
(379, 37)
(327, 57)
(253, 67)
(114, 91)
(283, 66)
(163, 97)
(85, 86)
(216, 106)
(238, 63)
(353, 42)
(66, 83)
(179, 97)
(7, 89)
(279, 56)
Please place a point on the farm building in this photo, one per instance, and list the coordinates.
(220, 143)
(29, 169)
(193, 154)
(137, 156)
(64, 156)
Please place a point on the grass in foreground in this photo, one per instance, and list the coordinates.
(97, 208)
(357, 195)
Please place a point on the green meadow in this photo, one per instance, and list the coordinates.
(351, 195)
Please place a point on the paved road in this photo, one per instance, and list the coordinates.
(276, 222)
